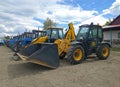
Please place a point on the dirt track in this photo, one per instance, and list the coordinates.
(91, 73)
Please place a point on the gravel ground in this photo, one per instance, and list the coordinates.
(91, 73)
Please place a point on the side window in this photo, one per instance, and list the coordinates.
(48, 32)
(60, 34)
(94, 32)
(90, 34)
(39, 34)
(100, 33)
(34, 36)
(119, 35)
(27, 35)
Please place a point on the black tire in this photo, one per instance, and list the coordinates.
(15, 49)
(75, 55)
(62, 55)
(16, 57)
(103, 52)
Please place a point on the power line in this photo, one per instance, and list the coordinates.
(102, 13)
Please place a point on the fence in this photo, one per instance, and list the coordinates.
(114, 43)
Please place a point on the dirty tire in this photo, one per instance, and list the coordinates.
(62, 55)
(103, 52)
(76, 54)
(16, 57)
(15, 49)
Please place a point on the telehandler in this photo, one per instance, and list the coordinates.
(89, 40)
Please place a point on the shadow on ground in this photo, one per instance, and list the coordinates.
(25, 69)
(91, 59)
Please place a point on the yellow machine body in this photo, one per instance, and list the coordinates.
(46, 53)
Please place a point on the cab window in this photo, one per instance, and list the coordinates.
(54, 34)
(60, 34)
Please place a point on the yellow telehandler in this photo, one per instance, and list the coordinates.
(89, 40)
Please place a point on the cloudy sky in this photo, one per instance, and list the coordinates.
(19, 15)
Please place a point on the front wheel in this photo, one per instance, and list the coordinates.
(16, 57)
(15, 49)
(103, 52)
(75, 55)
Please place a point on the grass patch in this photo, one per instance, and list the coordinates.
(115, 49)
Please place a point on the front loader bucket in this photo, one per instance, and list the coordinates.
(44, 54)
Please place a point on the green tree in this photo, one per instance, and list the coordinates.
(7, 37)
(107, 22)
(48, 22)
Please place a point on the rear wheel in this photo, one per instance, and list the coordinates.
(76, 54)
(103, 52)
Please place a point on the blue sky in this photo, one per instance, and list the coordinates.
(98, 5)
(19, 15)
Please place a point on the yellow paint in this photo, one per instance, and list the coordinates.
(64, 44)
(93, 43)
(39, 40)
(33, 60)
(105, 52)
(78, 54)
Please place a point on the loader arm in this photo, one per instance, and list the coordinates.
(40, 40)
(63, 44)
(70, 34)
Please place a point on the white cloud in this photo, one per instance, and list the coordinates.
(96, 20)
(114, 9)
(18, 15)
(3, 34)
(4, 29)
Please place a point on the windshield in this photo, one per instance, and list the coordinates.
(82, 34)
(43, 33)
(54, 34)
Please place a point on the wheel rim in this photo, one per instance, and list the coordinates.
(77, 54)
(105, 51)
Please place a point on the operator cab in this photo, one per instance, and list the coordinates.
(38, 33)
(90, 35)
(54, 34)
(89, 32)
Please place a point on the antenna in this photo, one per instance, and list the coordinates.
(91, 23)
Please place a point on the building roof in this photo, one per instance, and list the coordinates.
(114, 25)
(116, 21)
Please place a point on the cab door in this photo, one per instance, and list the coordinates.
(94, 38)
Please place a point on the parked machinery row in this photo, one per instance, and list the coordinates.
(16, 43)
(48, 50)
